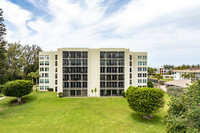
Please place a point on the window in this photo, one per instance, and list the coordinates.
(41, 75)
(121, 55)
(84, 77)
(41, 80)
(56, 76)
(144, 63)
(46, 57)
(46, 80)
(121, 70)
(130, 57)
(65, 62)
(144, 69)
(130, 63)
(121, 62)
(84, 84)
(139, 74)
(46, 75)
(85, 62)
(130, 82)
(108, 55)
(108, 77)
(41, 57)
(139, 63)
(41, 63)
(102, 55)
(65, 54)
(56, 63)
(139, 57)
(130, 69)
(102, 84)
(120, 77)
(56, 69)
(144, 81)
(144, 75)
(121, 84)
(114, 77)
(46, 87)
(46, 63)
(65, 84)
(102, 77)
(114, 69)
(41, 69)
(114, 55)
(102, 62)
(130, 75)
(46, 69)
(85, 54)
(144, 57)
(41, 87)
(139, 80)
(65, 77)
(139, 69)
(56, 57)
(56, 82)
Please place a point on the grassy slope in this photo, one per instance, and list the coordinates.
(45, 112)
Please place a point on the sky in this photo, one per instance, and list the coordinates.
(169, 30)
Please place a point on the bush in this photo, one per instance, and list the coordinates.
(18, 88)
(1, 88)
(183, 114)
(50, 89)
(176, 91)
(123, 94)
(150, 84)
(145, 100)
(60, 94)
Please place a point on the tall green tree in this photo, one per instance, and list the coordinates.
(183, 114)
(14, 61)
(2, 49)
(37, 76)
(31, 58)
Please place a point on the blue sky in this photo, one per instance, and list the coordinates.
(169, 30)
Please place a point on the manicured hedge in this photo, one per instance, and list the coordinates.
(17, 88)
(145, 100)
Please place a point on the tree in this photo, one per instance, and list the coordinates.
(31, 75)
(150, 84)
(151, 71)
(95, 90)
(18, 88)
(176, 91)
(183, 114)
(30, 58)
(37, 76)
(158, 76)
(92, 92)
(2, 50)
(145, 100)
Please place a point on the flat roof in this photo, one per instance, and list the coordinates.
(188, 71)
(179, 82)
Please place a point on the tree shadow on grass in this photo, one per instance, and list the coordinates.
(138, 117)
(25, 99)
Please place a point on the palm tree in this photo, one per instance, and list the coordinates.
(158, 76)
(37, 76)
(31, 75)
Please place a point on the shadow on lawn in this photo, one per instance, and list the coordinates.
(138, 117)
(26, 99)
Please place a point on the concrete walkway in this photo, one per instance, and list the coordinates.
(2, 97)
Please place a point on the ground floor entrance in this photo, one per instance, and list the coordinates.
(74, 93)
(111, 92)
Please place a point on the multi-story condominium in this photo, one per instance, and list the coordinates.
(92, 72)
(192, 73)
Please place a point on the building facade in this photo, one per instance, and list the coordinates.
(92, 72)
(192, 73)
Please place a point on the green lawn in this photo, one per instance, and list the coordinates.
(45, 112)
(1, 95)
(163, 79)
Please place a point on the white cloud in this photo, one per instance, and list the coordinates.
(143, 25)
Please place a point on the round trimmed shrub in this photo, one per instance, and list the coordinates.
(145, 100)
(18, 88)
(60, 94)
(150, 84)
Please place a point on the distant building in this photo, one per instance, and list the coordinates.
(161, 71)
(178, 83)
(178, 74)
(81, 71)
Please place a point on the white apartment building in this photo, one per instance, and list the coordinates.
(178, 74)
(92, 72)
